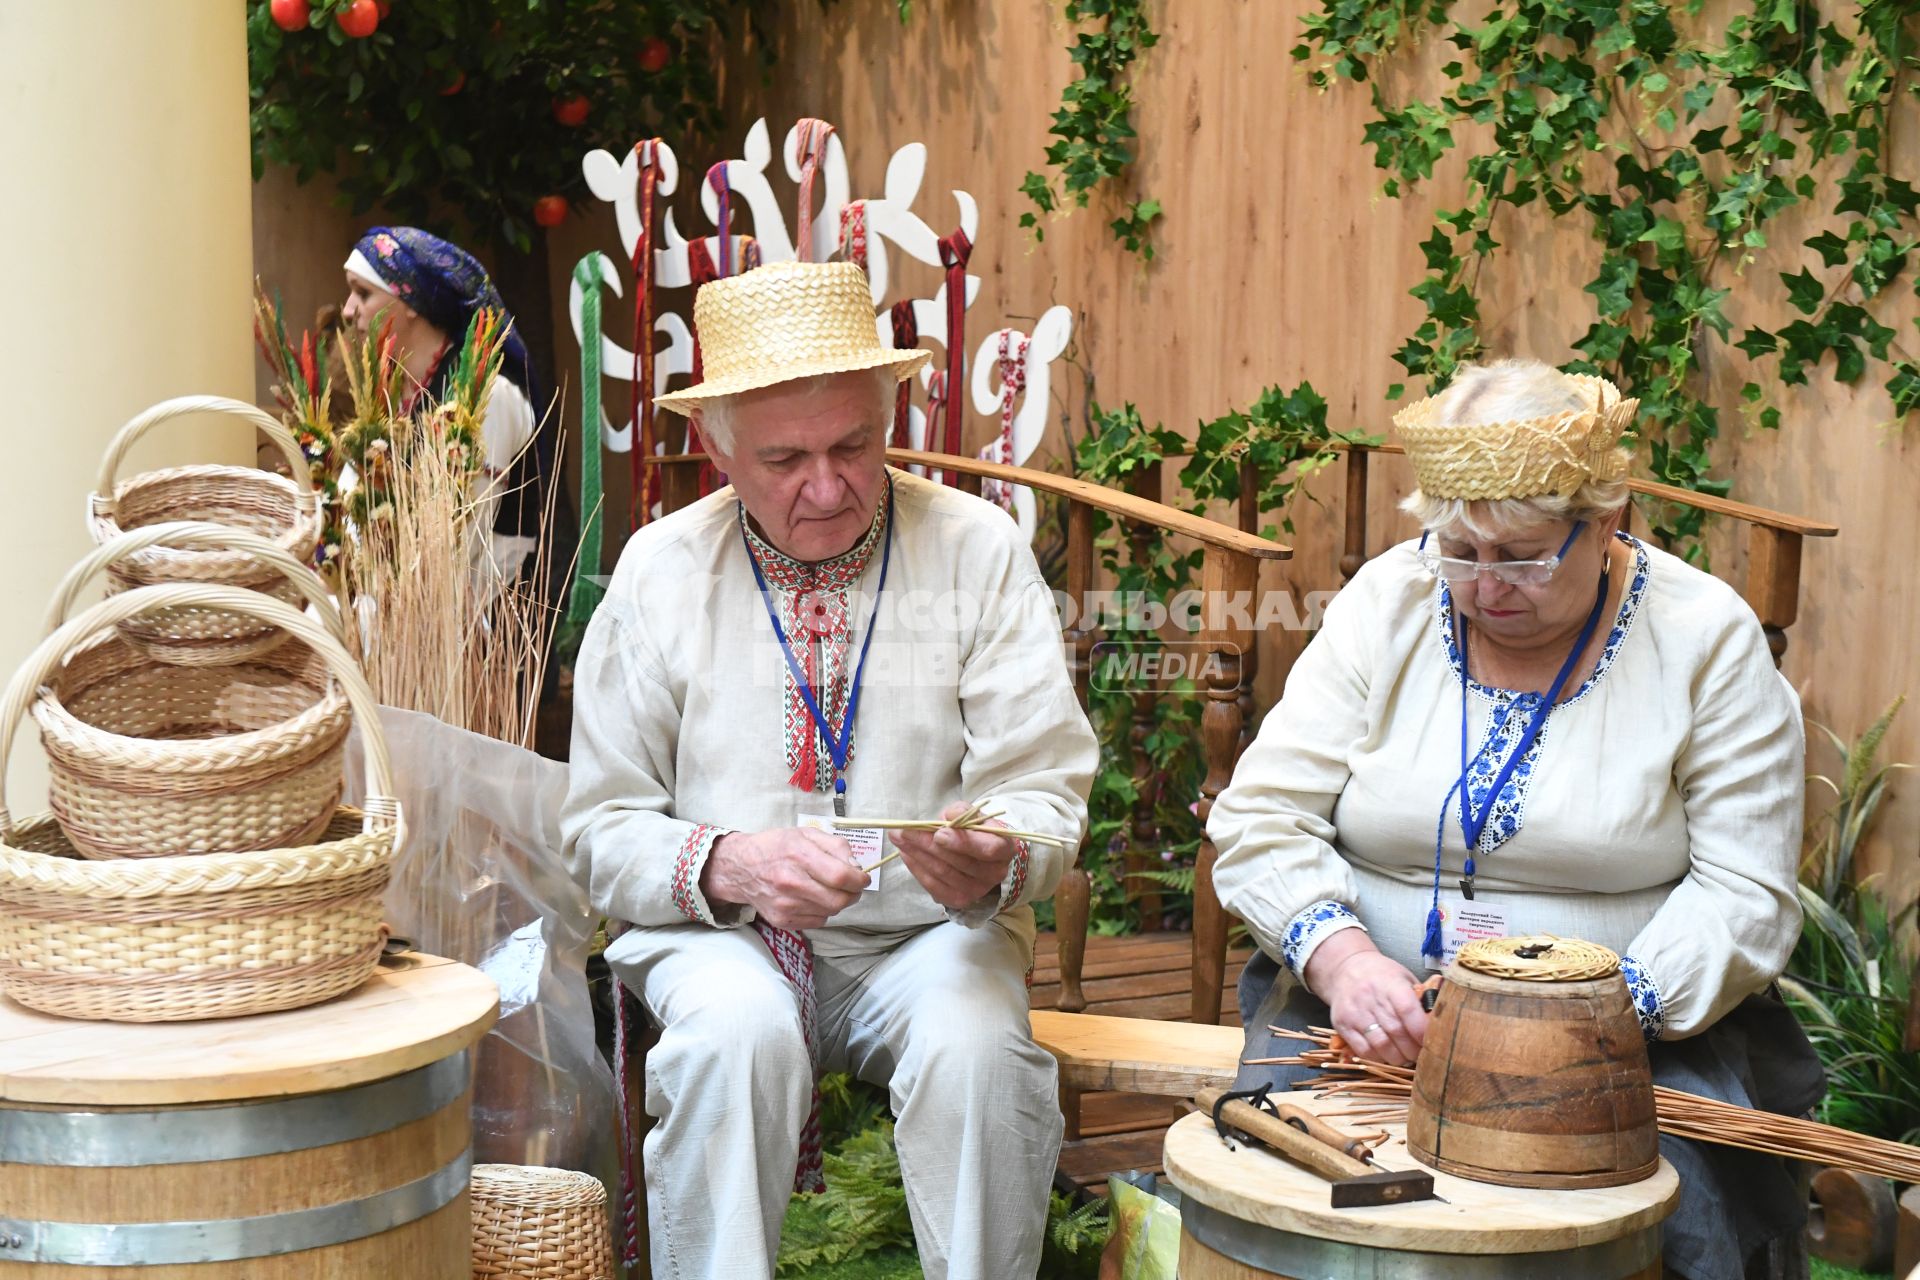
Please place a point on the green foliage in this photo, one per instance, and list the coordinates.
(1148, 756)
(1849, 978)
(863, 1209)
(1074, 1239)
(1094, 126)
(449, 104)
(1677, 153)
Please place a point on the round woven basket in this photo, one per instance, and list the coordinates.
(532, 1222)
(212, 936)
(148, 759)
(285, 512)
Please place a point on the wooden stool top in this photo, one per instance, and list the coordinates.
(416, 1009)
(1253, 1185)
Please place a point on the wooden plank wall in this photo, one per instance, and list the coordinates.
(1278, 262)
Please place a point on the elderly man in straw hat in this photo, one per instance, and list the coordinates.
(827, 640)
(1528, 721)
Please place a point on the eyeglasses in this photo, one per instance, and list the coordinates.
(1515, 573)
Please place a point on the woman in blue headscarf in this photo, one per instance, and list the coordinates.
(429, 289)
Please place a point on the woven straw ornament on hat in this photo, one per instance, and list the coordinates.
(784, 321)
(1556, 454)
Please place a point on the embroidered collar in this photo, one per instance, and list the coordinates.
(1631, 599)
(839, 573)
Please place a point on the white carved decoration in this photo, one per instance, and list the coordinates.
(891, 225)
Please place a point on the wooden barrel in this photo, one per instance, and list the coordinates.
(1534, 1083)
(328, 1143)
(1246, 1213)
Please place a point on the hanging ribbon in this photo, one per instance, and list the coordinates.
(749, 253)
(717, 179)
(853, 233)
(813, 150)
(587, 591)
(701, 271)
(954, 252)
(646, 480)
(906, 336)
(626, 1015)
(1013, 381)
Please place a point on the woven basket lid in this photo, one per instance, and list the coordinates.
(1483, 461)
(1539, 958)
(784, 321)
(536, 1186)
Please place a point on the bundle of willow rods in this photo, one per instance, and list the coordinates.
(1378, 1091)
(975, 818)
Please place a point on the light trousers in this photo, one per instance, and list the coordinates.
(939, 1018)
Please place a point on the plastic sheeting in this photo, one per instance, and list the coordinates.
(480, 880)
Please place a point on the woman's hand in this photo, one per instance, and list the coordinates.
(1375, 1001)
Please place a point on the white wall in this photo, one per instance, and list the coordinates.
(127, 266)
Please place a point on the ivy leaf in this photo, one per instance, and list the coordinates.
(1667, 235)
(1831, 248)
(1757, 343)
(1613, 287)
(1904, 387)
(1803, 291)
(1439, 250)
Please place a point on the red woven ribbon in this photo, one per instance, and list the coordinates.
(954, 252)
(646, 480)
(813, 149)
(906, 336)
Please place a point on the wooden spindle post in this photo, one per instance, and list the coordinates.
(1249, 512)
(1226, 582)
(1071, 900)
(1353, 553)
(1773, 582)
(1143, 841)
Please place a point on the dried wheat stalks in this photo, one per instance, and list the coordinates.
(1379, 1090)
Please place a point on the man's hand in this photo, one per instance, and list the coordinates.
(793, 877)
(1375, 1002)
(957, 867)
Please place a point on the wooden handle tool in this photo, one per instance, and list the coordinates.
(1354, 1183)
(1320, 1131)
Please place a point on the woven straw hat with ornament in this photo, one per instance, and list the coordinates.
(1555, 454)
(784, 321)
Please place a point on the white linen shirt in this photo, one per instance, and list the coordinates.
(678, 713)
(1660, 813)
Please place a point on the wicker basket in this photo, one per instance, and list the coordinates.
(285, 512)
(214, 936)
(153, 760)
(534, 1223)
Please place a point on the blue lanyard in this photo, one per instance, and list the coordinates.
(837, 744)
(1472, 823)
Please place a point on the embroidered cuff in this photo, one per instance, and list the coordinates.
(1011, 887)
(687, 865)
(1309, 929)
(1645, 993)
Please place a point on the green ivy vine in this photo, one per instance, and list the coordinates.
(1094, 126)
(1286, 438)
(1678, 148)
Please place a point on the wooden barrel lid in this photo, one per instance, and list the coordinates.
(1256, 1186)
(416, 1009)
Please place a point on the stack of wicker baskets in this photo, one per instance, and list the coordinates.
(197, 862)
(535, 1223)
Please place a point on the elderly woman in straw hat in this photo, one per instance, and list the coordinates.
(1528, 721)
(827, 639)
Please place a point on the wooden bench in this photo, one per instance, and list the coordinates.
(1137, 1055)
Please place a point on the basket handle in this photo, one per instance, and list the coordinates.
(381, 808)
(179, 407)
(193, 533)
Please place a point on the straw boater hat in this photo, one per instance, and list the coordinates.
(783, 321)
(1552, 455)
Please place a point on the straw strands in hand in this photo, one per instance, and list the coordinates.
(976, 817)
(1380, 1091)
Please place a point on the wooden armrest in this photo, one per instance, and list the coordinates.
(1124, 506)
(1138, 1055)
(1688, 498)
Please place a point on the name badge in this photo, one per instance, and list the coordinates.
(869, 844)
(1462, 922)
